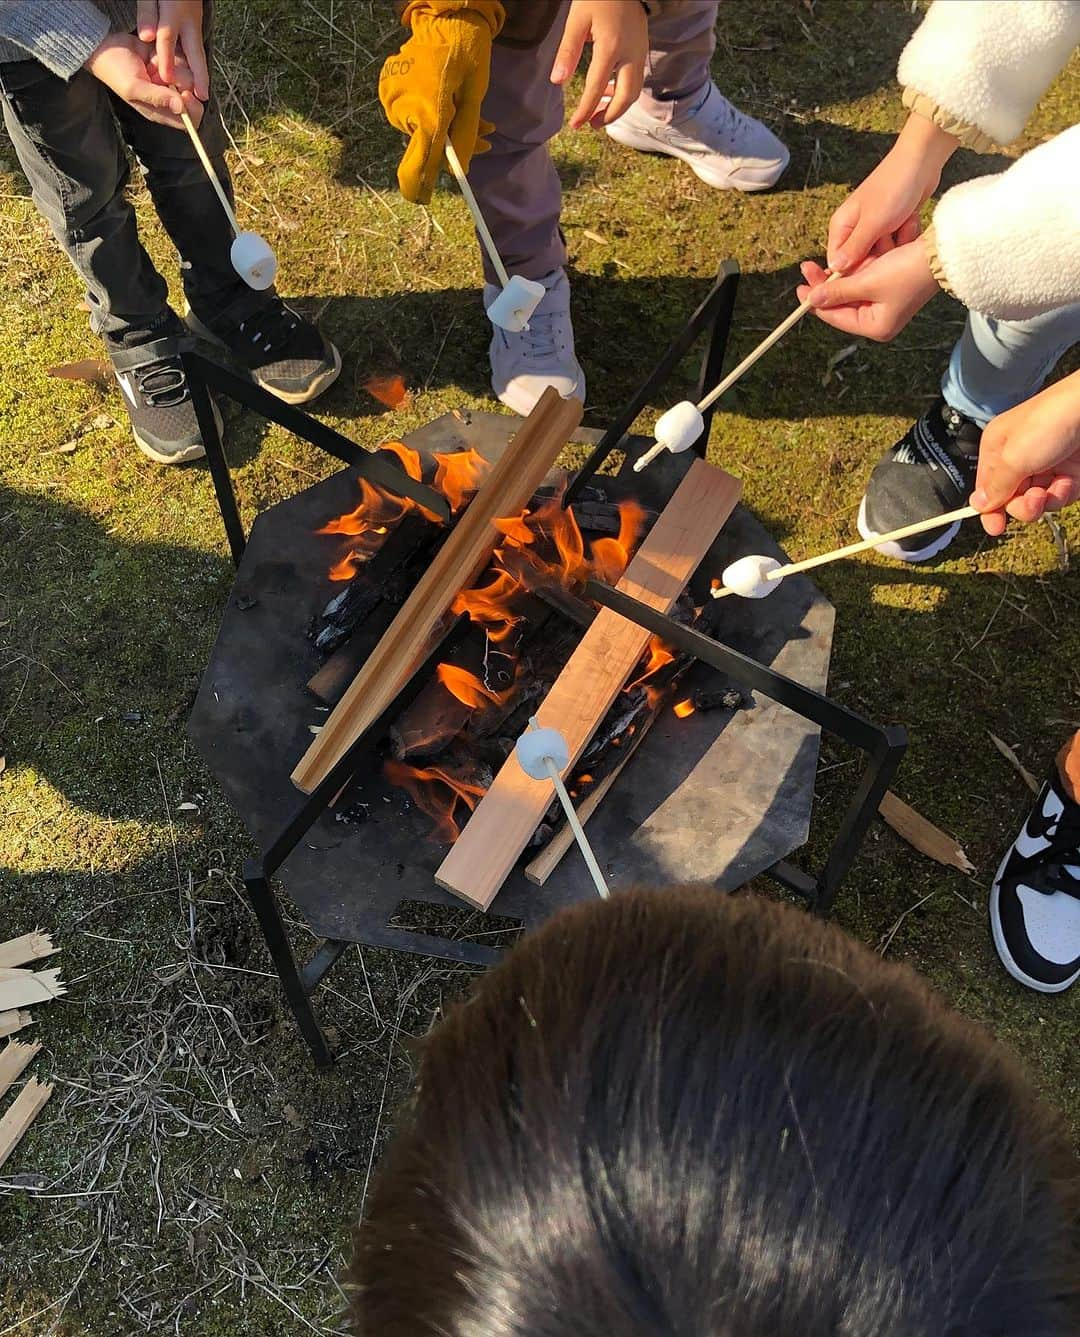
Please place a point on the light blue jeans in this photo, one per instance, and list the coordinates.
(997, 364)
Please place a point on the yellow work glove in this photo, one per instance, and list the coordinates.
(433, 87)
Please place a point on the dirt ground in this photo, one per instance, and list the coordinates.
(192, 1174)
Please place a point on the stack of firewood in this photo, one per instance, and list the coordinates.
(21, 988)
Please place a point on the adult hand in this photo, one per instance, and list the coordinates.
(175, 29)
(1029, 458)
(879, 298)
(619, 32)
(883, 212)
(122, 63)
(432, 90)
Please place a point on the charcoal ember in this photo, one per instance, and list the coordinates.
(630, 708)
(597, 517)
(344, 613)
(722, 696)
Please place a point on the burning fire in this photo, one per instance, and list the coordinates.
(377, 515)
(459, 475)
(468, 688)
(491, 605)
(437, 792)
(683, 709)
(388, 390)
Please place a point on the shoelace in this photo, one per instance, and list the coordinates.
(725, 117)
(274, 326)
(540, 338)
(1062, 854)
(163, 384)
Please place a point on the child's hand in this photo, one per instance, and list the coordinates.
(619, 32)
(122, 63)
(433, 88)
(883, 211)
(175, 29)
(1029, 458)
(879, 298)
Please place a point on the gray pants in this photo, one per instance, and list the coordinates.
(516, 182)
(71, 139)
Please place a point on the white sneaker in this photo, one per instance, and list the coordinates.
(724, 147)
(524, 365)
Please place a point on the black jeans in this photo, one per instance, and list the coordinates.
(71, 139)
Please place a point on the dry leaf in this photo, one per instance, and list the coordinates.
(68, 448)
(1015, 762)
(293, 1116)
(388, 390)
(595, 236)
(91, 369)
(836, 359)
(922, 835)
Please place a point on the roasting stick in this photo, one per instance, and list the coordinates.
(543, 752)
(520, 296)
(678, 428)
(759, 570)
(252, 256)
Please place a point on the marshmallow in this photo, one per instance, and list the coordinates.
(747, 576)
(516, 303)
(536, 747)
(679, 427)
(254, 260)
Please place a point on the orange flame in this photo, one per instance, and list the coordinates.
(437, 792)
(611, 556)
(369, 524)
(459, 475)
(683, 709)
(468, 688)
(409, 458)
(489, 605)
(389, 390)
(657, 656)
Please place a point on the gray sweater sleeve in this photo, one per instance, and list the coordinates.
(61, 34)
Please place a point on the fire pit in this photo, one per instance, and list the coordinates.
(720, 783)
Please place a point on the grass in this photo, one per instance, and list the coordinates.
(191, 1174)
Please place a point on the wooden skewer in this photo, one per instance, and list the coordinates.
(572, 821)
(189, 126)
(733, 375)
(789, 322)
(454, 163)
(865, 545)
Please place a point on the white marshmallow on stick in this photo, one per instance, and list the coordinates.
(756, 576)
(673, 429)
(520, 297)
(544, 755)
(252, 256)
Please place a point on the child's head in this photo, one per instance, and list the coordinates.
(692, 1115)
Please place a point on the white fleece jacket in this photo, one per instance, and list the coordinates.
(1007, 245)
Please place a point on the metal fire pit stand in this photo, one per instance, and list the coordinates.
(883, 746)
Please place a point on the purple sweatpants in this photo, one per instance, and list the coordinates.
(516, 182)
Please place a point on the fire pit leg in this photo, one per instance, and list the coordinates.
(297, 994)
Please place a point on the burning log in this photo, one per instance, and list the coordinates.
(460, 560)
(507, 816)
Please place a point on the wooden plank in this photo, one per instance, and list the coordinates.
(581, 696)
(13, 1021)
(21, 1114)
(505, 491)
(13, 1059)
(30, 947)
(922, 835)
(21, 988)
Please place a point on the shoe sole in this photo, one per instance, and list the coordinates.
(185, 456)
(1003, 952)
(634, 139)
(523, 408)
(318, 386)
(904, 554)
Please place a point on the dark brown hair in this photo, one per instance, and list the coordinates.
(680, 1113)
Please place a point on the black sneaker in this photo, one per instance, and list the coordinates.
(156, 395)
(1035, 899)
(929, 471)
(281, 351)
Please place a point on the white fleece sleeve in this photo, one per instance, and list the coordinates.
(986, 63)
(1009, 245)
